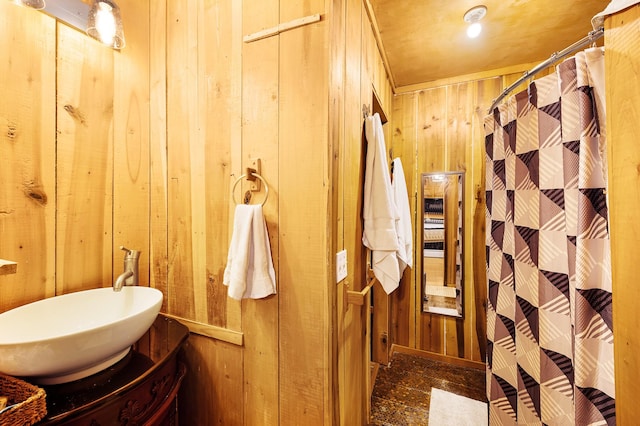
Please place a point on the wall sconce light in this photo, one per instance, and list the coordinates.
(35, 4)
(473, 17)
(101, 21)
(105, 23)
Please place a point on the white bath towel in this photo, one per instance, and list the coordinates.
(249, 272)
(379, 211)
(403, 225)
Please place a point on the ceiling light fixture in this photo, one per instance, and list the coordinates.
(105, 23)
(473, 17)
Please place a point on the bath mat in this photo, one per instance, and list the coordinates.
(449, 409)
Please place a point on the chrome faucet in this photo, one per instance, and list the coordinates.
(130, 274)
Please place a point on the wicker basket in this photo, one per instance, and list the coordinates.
(30, 404)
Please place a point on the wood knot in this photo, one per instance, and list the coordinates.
(39, 197)
(35, 193)
(75, 114)
(12, 131)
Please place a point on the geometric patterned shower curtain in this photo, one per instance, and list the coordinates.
(549, 322)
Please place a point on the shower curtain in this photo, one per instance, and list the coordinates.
(549, 323)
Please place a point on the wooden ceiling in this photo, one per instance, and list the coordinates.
(425, 40)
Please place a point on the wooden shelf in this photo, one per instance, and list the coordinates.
(8, 267)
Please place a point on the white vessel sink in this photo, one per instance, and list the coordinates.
(68, 337)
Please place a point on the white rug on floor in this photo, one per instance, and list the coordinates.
(449, 409)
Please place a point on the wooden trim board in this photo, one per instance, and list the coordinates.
(281, 27)
(218, 333)
(460, 362)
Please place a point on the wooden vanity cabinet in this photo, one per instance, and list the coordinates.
(141, 389)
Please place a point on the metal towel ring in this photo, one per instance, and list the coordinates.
(266, 187)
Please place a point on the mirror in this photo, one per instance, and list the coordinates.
(442, 258)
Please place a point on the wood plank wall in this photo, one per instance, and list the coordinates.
(84, 178)
(623, 130)
(27, 153)
(440, 128)
(61, 219)
(227, 103)
(141, 147)
(356, 72)
(297, 95)
(260, 111)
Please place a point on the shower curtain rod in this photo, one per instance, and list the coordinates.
(556, 56)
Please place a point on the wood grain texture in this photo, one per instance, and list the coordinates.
(404, 144)
(447, 124)
(304, 331)
(220, 108)
(475, 237)
(368, 79)
(622, 90)
(352, 321)
(215, 332)
(199, 162)
(380, 322)
(426, 40)
(269, 32)
(72, 100)
(431, 124)
(287, 353)
(439, 357)
(216, 400)
(204, 120)
(337, 128)
(517, 70)
(380, 100)
(27, 156)
(209, 111)
(361, 262)
(84, 160)
(185, 215)
(131, 127)
(158, 203)
(260, 139)
(459, 120)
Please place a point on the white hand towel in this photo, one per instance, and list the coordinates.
(249, 272)
(403, 226)
(379, 211)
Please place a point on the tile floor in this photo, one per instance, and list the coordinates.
(402, 391)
